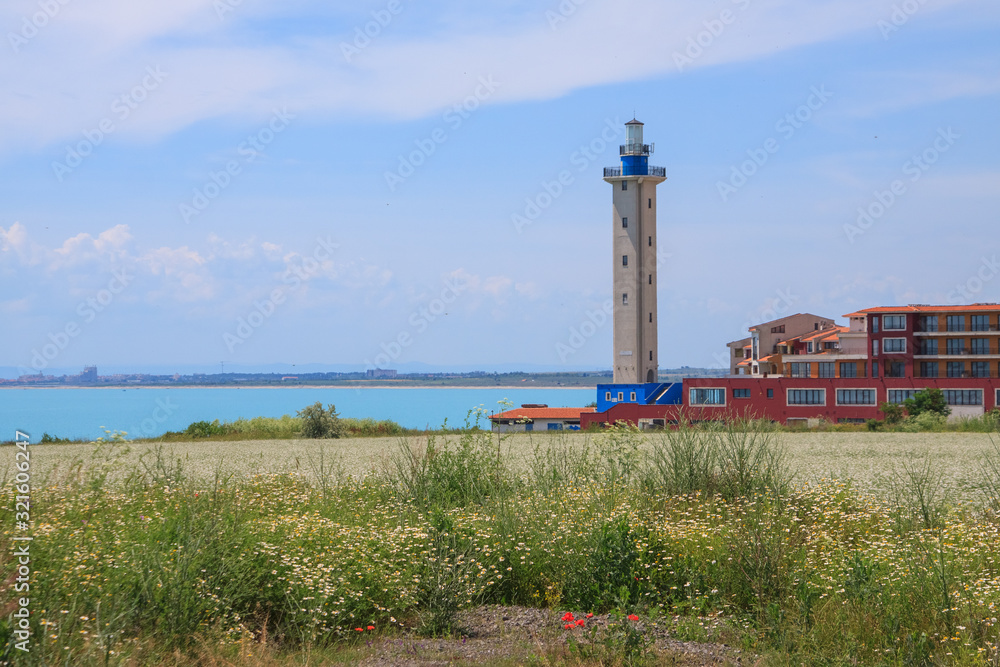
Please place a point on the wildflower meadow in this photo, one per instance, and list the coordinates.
(705, 531)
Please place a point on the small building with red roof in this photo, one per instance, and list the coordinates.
(539, 418)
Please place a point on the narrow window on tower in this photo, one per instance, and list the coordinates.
(650, 241)
(650, 203)
(624, 260)
(651, 318)
(650, 278)
(624, 299)
(624, 223)
(624, 185)
(650, 355)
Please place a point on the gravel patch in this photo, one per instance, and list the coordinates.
(516, 635)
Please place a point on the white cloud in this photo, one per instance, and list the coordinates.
(64, 81)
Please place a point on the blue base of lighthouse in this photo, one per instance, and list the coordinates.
(635, 165)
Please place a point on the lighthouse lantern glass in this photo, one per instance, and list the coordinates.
(633, 134)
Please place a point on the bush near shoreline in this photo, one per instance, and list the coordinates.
(700, 531)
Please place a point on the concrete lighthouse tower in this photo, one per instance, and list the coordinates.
(634, 259)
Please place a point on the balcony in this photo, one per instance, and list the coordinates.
(635, 148)
(616, 172)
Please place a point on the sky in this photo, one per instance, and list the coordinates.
(418, 185)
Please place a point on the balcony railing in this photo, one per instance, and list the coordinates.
(616, 172)
(635, 148)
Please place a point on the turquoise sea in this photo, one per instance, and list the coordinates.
(151, 411)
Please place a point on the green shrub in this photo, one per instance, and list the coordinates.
(204, 429)
(318, 422)
(927, 400)
(893, 412)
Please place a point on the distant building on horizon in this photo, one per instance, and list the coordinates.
(381, 374)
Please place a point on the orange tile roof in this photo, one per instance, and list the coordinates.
(543, 413)
(920, 308)
(787, 341)
(823, 333)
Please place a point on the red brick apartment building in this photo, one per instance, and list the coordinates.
(805, 368)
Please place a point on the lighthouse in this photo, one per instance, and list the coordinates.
(634, 259)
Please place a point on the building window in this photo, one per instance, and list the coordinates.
(707, 397)
(809, 347)
(956, 369)
(956, 346)
(800, 370)
(894, 322)
(624, 260)
(621, 396)
(741, 393)
(963, 396)
(827, 369)
(650, 205)
(895, 369)
(998, 397)
(650, 243)
(893, 345)
(624, 185)
(897, 396)
(875, 324)
(855, 397)
(980, 369)
(874, 348)
(780, 329)
(607, 396)
(929, 346)
(874, 369)
(980, 346)
(555, 427)
(956, 323)
(770, 393)
(928, 369)
(529, 427)
(807, 396)
(624, 299)
(928, 323)
(848, 369)
(624, 223)
(633, 396)
(980, 322)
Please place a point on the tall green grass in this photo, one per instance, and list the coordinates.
(285, 427)
(701, 530)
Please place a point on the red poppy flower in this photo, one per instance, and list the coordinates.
(633, 617)
(371, 627)
(581, 622)
(569, 626)
(590, 615)
(360, 629)
(568, 616)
